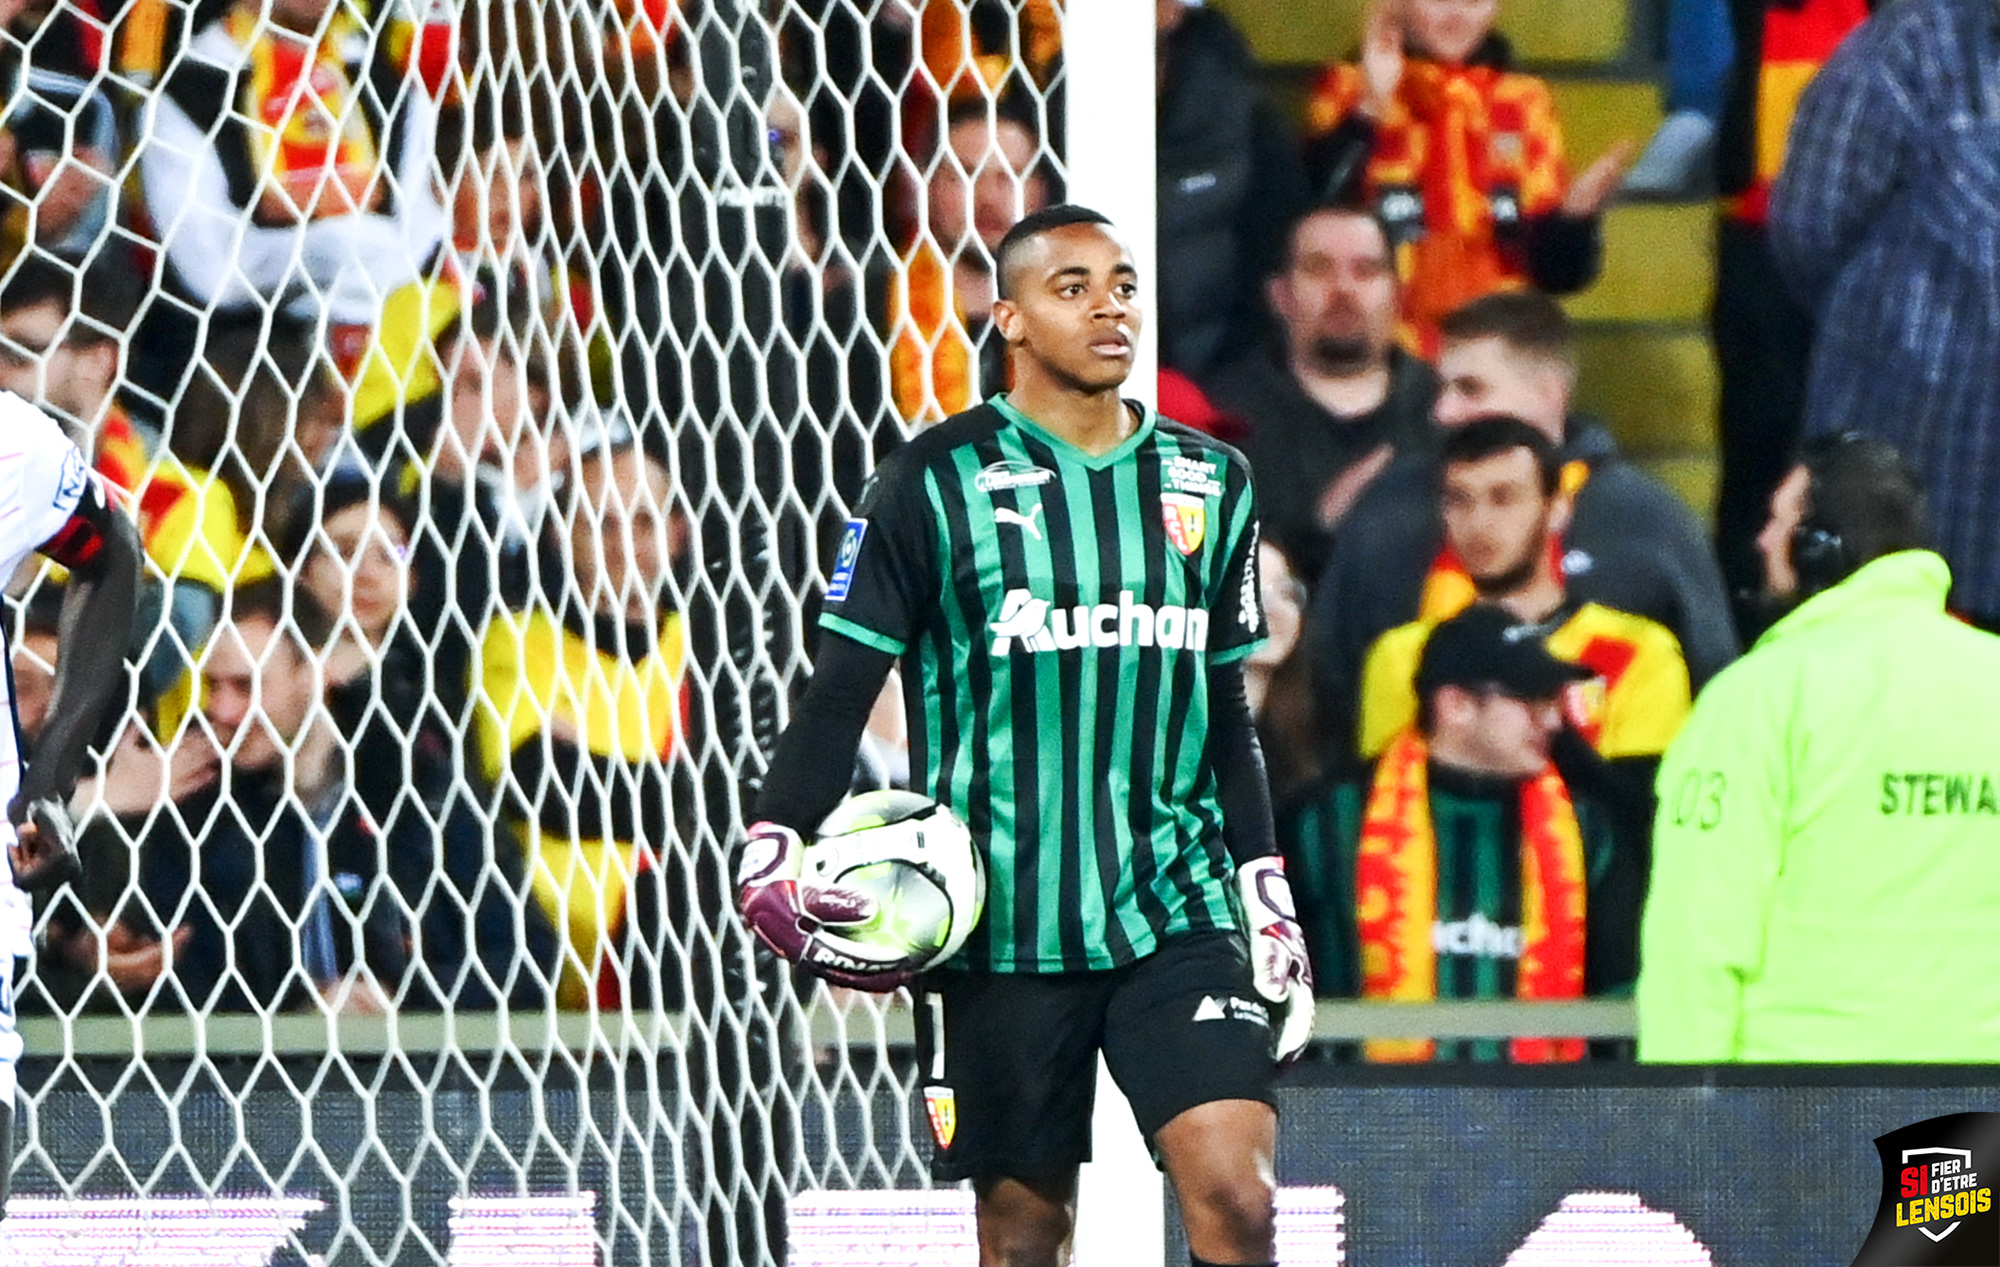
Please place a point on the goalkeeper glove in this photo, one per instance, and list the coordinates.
(44, 853)
(800, 921)
(1278, 961)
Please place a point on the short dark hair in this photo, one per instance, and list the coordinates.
(1495, 434)
(507, 324)
(1527, 321)
(1343, 208)
(288, 609)
(1005, 108)
(1031, 226)
(342, 488)
(98, 298)
(1863, 493)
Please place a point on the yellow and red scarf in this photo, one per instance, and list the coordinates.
(1396, 899)
(309, 140)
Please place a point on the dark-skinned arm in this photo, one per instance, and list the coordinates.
(100, 547)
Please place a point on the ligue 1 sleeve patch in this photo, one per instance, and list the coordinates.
(842, 579)
(75, 476)
(1937, 1195)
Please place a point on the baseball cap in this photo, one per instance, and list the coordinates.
(1485, 646)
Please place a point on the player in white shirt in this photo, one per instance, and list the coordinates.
(52, 502)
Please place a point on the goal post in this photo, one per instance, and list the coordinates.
(1110, 47)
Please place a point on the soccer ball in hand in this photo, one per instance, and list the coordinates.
(916, 860)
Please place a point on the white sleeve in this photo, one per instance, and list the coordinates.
(226, 260)
(222, 257)
(42, 476)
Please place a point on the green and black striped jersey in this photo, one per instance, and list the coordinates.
(1477, 928)
(1057, 613)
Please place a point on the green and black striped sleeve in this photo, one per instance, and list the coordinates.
(1237, 624)
(885, 576)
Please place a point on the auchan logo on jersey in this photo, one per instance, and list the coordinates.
(1037, 626)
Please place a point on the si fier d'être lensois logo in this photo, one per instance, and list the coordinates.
(1937, 1205)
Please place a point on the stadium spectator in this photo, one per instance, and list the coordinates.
(401, 756)
(1272, 679)
(1230, 181)
(1630, 545)
(577, 723)
(1462, 156)
(493, 459)
(827, 307)
(272, 865)
(497, 197)
(353, 563)
(1326, 412)
(1886, 220)
(944, 356)
(286, 169)
(86, 945)
(1832, 801)
(1504, 514)
(259, 416)
(1307, 796)
(852, 71)
(1763, 335)
(1480, 858)
(59, 139)
(60, 347)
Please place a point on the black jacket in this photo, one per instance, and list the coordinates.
(1230, 183)
(1297, 447)
(232, 863)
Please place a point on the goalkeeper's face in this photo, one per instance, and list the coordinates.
(1072, 311)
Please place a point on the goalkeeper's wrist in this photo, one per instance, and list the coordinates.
(771, 852)
(1264, 890)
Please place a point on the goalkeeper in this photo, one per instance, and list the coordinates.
(1070, 583)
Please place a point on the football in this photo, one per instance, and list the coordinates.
(916, 860)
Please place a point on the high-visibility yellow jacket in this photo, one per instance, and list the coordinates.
(1826, 857)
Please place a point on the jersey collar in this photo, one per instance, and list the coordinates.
(1069, 452)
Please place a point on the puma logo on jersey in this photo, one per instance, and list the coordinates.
(1029, 523)
(1036, 625)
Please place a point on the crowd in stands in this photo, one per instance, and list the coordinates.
(288, 272)
(386, 337)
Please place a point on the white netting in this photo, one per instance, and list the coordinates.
(488, 383)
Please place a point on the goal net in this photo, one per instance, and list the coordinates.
(489, 382)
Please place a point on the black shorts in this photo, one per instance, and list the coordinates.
(1009, 1090)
